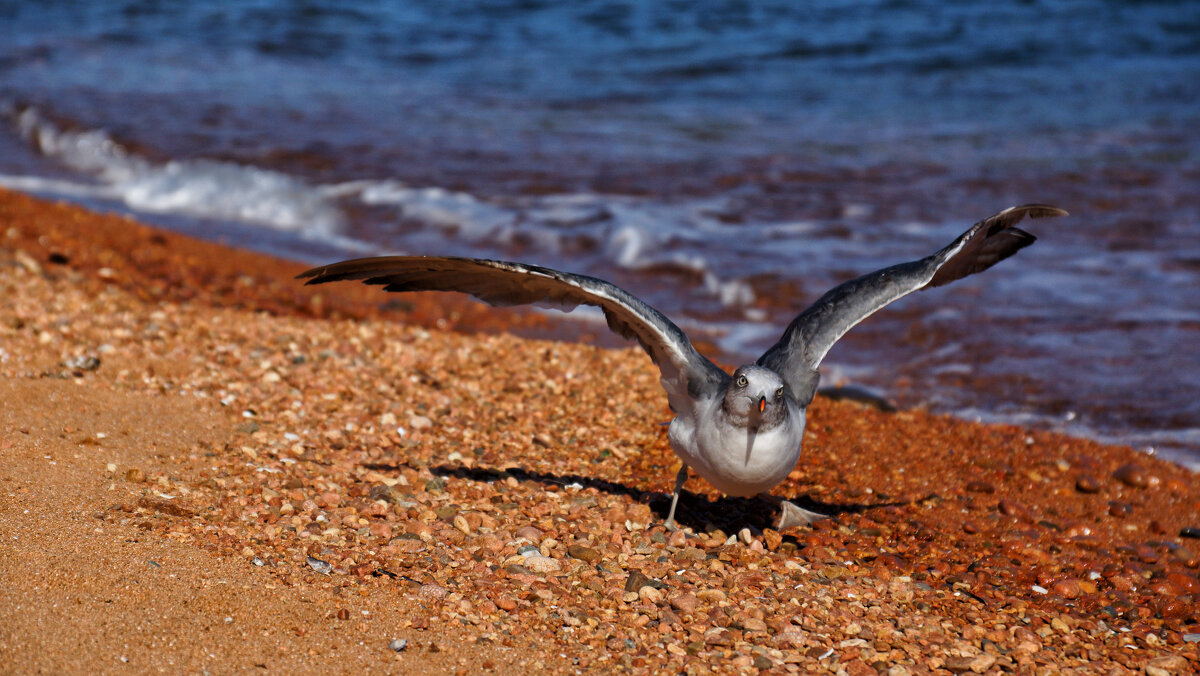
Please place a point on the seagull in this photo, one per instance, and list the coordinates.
(742, 432)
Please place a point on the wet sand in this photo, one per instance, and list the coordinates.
(206, 465)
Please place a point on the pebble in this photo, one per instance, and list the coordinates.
(1189, 532)
(385, 492)
(320, 566)
(1132, 474)
(398, 644)
(1086, 483)
(460, 522)
(1068, 588)
(1166, 665)
(432, 592)
(583, 553)
(1015, 509)
(650, 594)
(529, 533)
(685, 603)
(542, 564)
(980, 487)
(637, 580)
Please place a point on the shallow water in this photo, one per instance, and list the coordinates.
(727, 161)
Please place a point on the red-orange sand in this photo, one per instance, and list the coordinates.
(206, 466)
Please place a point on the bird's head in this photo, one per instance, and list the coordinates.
(757, 396)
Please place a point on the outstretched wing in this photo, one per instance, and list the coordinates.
(811, 334)
(686, 374)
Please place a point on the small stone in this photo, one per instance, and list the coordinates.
(791, 637)
(343, 614)
(677, 538)
(460, 522)
(505, 603)
(164, 506)
(1133, 475)
(980, 487)
(529, 533)
(1167, 665)
(385, 492)
(420, 422)
(1191, 638)
(134, 475)
(981, 663)
(432, 592)
(1189, 532)
(320, 566)
(711, 595)
(637, 580)
(83, 363)
(583, 553)
(542, 564)
(1068, 588)
(753, 624)
(957, 664)
(398, 644)
(685, 603)
(1086, 483)
(650, 594)
(1119, 509)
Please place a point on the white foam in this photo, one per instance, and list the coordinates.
(207, 189)
(440, 208)
(58, 187)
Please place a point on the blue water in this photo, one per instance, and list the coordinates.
(726, 160)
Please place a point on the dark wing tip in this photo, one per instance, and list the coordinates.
(1043, 210)
(990, 241)
(312, 272)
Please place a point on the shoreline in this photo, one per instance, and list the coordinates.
(234, 416)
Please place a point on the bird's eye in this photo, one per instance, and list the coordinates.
(779, 392)
(742, 382)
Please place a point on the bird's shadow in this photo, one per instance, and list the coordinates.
(697, 512)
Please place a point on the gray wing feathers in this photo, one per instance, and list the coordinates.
(811, 334)
(685, 373)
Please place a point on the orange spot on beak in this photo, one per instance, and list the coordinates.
(762, 404)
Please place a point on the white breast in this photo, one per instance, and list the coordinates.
(738, 461)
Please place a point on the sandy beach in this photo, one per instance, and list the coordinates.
(205, 466)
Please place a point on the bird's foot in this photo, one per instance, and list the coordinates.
(671, 526)
(791, 516)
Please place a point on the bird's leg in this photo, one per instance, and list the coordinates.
(790, 515)
(679, 480)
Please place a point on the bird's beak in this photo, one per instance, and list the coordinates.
(762, 404)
